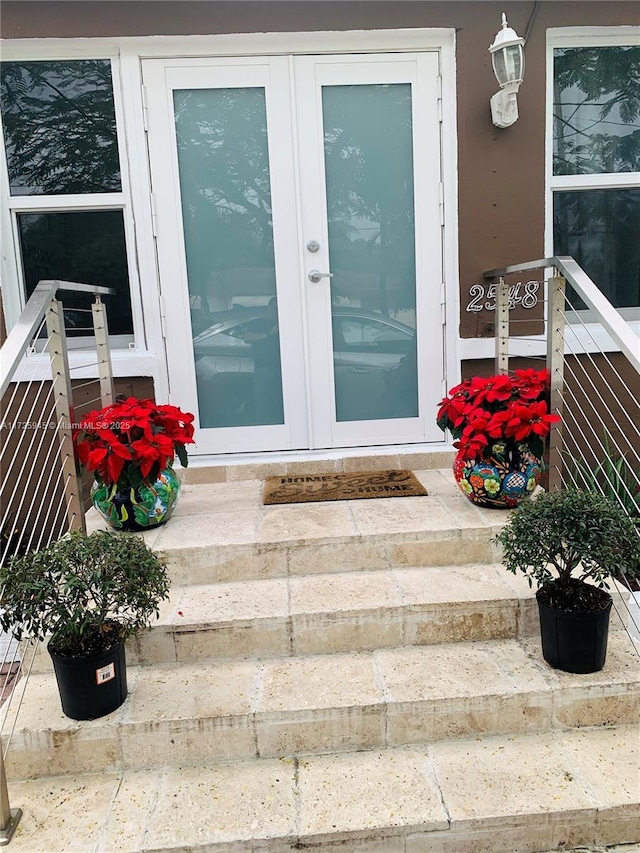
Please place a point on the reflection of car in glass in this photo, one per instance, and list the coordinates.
(374, 363)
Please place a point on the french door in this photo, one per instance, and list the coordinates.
(298, 226)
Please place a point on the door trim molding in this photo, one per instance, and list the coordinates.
(235, 44)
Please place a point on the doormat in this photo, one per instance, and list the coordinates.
(353, 486)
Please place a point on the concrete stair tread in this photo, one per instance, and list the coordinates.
(286, 706)
(225, 602)
(497, 794)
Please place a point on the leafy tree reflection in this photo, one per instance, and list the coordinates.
(60, 127)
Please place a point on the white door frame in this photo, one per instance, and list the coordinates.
(310, 412)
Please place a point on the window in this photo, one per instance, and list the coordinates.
(65, 189)
(596, 165)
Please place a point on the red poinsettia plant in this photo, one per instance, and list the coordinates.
(132, 441)
(483, 412)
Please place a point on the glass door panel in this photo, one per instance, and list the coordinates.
(221, 157)
(370, 211)
(369, 149)
(225, 184)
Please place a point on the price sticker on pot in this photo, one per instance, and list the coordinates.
(105, 673)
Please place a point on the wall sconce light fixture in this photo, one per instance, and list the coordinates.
(507, 58)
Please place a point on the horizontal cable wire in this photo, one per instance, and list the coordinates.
(77, 386)
(566, 429)
(15, 460)
(84, 366)
(10, 514)
(54, 471)
(588, 331)
(587, 376)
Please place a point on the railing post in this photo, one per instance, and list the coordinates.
(555, 366)
(101, 331)
(9, 817)
(64, 412)
(502, 327)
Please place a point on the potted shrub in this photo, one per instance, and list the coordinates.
(569, 543)
(88, 593)
(130, 446)
(499, 424)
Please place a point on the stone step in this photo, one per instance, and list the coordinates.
(339, 612)
(342, 611)
(500, 794)
(208, 711)
(222, 532)
(345, 611)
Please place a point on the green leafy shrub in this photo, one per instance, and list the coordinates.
(84, 591)
(570, 536)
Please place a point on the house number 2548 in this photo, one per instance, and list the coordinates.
(484, 298)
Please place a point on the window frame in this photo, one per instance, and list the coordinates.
(129, 352)
(576, 37)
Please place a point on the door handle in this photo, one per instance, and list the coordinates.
(316, 275)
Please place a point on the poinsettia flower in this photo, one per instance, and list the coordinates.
(175, 413)
(83, 448)
(478, 420)
(453, 411)
(482, 410)
(159, 449)
(530, 376)
(496, 427)
(494, 389)
(132, 433)
(530, 420)
(471, 446)
(108, 458)
(530, 383)
(178, 432)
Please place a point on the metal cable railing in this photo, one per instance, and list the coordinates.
(41, 492)
(594, 362)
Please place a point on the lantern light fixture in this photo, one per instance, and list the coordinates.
(507, 58)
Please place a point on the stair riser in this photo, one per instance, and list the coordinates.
(131, 746)
(252, 562)
(332, 632)
(258, 471)
(327, 633)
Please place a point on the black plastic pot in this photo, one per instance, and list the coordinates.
(574, 642)
(92, 686)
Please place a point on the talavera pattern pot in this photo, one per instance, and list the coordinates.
(146, 506)
(505, 476)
